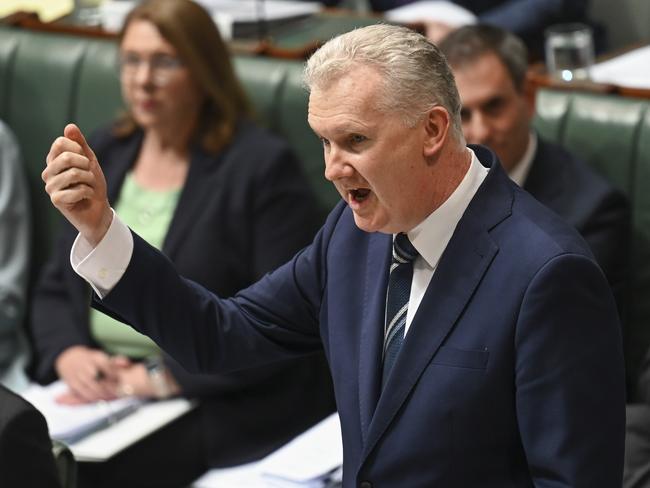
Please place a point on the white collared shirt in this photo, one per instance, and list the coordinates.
(519, 173)
(432, 235)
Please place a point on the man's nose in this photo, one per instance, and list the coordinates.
(336, 166)
(476, 129)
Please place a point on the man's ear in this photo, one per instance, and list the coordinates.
(528, 92)
(437, 125)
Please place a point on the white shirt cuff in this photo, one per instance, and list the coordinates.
(104, 265)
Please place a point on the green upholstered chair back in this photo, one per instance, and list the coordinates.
(48, 80)
(612, 134)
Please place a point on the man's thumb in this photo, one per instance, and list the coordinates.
(73, 132)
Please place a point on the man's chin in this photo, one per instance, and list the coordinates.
(368, 224)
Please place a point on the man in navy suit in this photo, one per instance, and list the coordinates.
(503, 367)
(490, 65)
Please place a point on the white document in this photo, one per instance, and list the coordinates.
(244, 476)
(309, 461)
(311, 456)
(226, 13)
(438, 10)
(97, 431)
(250, 10)
(148, 418)
(47, 10)
(630, 70)
(68, 423)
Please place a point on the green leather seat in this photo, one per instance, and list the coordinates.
(613, 135)
(48, 80)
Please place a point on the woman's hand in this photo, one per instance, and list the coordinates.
(90, 374)
(136, 380)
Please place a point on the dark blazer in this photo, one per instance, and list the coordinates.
(574, 191)
(501, 377)
(26, 458)
(240, 215)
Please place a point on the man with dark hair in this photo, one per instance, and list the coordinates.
(490, 65)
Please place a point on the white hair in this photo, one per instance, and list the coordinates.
(416, 76)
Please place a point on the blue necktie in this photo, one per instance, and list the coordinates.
(399, 290)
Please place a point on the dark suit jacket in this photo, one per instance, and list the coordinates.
(240, 215)
(26, 458)
(511, 373)
(587, 201)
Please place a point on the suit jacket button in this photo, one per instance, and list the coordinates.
(365, 484)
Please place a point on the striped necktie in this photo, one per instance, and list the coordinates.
(397, 301)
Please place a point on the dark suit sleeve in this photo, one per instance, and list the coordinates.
(567, 338)
(25, 448)
(274, 319)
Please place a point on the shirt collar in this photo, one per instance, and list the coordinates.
(432, 235)
(519, 173)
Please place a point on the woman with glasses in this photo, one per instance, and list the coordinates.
(226, 202)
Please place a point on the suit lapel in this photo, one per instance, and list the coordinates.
(198, 185)
(546, 180)
(461, 268)
(122, 160)
(372, 331)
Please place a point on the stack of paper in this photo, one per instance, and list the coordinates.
(69, 423)
(235, 18)
(631, 69)
(47, 10)
(438, 10)
(311, 460)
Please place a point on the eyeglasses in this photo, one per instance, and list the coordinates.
(161, 66)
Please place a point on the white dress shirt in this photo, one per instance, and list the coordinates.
(432, 235)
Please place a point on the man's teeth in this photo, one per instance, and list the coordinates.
(360, 194)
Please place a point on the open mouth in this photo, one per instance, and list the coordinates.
(359, 194)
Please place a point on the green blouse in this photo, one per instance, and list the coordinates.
(148, 213)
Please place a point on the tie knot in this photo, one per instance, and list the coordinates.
(403, 250)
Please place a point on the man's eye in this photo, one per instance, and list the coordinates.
(324, 141)
(494, 106)
(357, 139)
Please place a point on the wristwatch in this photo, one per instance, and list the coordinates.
(158, 376)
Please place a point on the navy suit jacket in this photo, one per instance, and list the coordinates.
(587, 201)
(511, 373)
